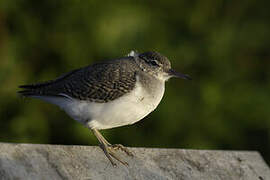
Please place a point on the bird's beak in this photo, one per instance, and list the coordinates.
(173, 73)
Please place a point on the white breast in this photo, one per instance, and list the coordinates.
(125, 110)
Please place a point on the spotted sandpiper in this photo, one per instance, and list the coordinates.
(109, 94)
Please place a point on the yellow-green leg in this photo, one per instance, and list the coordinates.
(109, 150)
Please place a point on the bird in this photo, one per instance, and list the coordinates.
(109, 94)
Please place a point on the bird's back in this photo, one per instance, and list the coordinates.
(101, 82)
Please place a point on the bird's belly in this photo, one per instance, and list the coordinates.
(118, 114)
(125, 110)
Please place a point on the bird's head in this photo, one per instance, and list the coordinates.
(157, 65)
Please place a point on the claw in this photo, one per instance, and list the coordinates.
(122, 148)
(109, 152)
(118, 159)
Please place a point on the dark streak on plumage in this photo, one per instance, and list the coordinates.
(100, 82)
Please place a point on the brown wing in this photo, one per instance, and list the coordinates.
(101, 82)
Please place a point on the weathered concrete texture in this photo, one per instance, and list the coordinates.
(29, 161)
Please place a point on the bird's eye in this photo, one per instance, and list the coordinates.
(154, 62)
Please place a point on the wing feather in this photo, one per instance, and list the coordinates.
(100, 82)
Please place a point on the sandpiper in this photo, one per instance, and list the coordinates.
(109, 94)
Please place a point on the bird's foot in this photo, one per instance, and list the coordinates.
(122, 148)
(109, 151)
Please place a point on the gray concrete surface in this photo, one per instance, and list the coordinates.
(34, 161)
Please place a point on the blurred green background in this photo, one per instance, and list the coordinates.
(222, 44)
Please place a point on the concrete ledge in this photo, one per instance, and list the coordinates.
(34, 161)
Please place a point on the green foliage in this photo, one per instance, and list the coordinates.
(223, 45)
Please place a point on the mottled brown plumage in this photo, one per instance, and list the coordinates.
(101, 82)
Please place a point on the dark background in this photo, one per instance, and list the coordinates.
(222, 44)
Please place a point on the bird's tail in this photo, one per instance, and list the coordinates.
(44, 88)
(29, 90)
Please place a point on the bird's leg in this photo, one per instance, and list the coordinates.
(107, 148)
(116, 146)
(122, 148)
